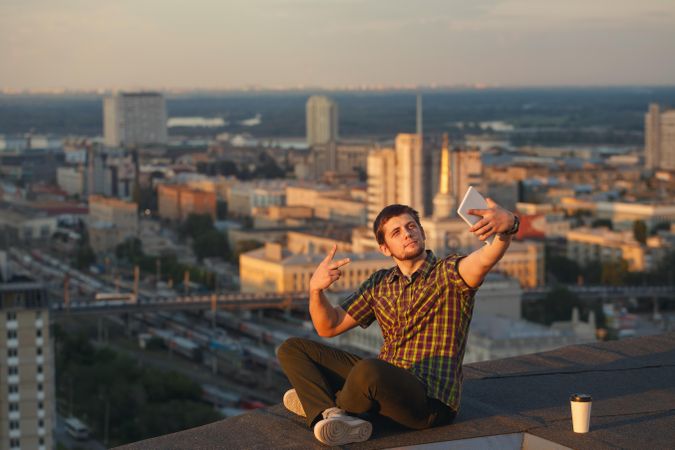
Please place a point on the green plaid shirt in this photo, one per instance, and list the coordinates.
(424, 321)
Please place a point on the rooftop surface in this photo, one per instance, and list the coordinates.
(632, 382)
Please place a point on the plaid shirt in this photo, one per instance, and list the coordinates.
(424, 321)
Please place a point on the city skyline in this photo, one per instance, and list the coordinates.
(279, 44)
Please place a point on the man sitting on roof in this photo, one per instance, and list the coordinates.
(423, 306)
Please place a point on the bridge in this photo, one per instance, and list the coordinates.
(609, 293)
(126, 303)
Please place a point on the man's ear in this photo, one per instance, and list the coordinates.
(385, 250)
(424, 235)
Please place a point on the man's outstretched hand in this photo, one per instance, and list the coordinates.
(494, 219)
(328, 272)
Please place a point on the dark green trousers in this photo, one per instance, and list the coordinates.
(324, 377)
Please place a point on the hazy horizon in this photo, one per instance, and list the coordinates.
(334, 44)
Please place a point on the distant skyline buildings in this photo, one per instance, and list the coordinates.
(134, 118)
(322, 114)
(263, 43)
(660, 138)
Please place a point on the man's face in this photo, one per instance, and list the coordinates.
(403, 238)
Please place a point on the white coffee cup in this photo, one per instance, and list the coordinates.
(581, 412)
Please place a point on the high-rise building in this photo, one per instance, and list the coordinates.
(409, 179)
(322, 122)
(134, 118)
(27, 375)
(381, 171)
(444, 202)
(660, 138)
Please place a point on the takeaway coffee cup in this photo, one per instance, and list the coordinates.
(581, 412)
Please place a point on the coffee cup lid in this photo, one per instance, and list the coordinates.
(580, 398)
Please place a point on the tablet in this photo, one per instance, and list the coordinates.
(473, 200)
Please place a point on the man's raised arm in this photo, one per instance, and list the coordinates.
(495, 220)
(328, 320)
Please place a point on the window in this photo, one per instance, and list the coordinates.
(41, 423)
(42, 441)
(39, 351)
(39, 332)
(11, 315)
(41, 405)
(39, 387)
(11, 352)
(13, 406)
(13, 389)
(14, 443)
(39, 368)
(11, 334)
(13, 424)
(13, 370)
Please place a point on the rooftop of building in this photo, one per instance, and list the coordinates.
(503, 401)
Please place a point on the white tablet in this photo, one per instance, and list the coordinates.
(473, 200)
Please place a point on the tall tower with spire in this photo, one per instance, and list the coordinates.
(444, 203)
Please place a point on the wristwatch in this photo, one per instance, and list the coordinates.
(514, 229)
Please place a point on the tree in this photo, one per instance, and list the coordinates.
(130, 250)
(597, 223)
(563, 269)
(210, 243)
(614, 273)
(640, 231)
(85, 256)
(195, 225)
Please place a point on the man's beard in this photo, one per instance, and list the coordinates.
(415, 255)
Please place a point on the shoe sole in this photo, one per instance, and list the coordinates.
(340, 432)
(292, 403)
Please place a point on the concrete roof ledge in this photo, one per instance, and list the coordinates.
(522, 400)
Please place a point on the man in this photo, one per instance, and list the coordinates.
(423, 305)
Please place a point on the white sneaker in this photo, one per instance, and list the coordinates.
(339, 428)
(292, 403)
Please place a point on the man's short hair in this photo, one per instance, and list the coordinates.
(387, 213)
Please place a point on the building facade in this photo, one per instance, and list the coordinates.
(381, 191)
(134, 118)
(111, 221)
(409, 171)
(27, 376)
(322, 121)
(177, 202)
(274, 269)
(660, 138)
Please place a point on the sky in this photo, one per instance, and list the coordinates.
(230, 44)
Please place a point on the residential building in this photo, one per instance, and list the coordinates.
(176, 202)
(246, 197)
(275, 269)
(27, 415)
(22, 224)
(409, 171)
(322, 122)
(381, 170)
(659, 138)
(72, 180)
(111, 221)
(134, 118)
(585, 245)
(524, 261)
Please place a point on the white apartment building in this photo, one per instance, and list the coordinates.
(381, 191)
(134, 118)
(409, 171)
(660, 138)
(322, 122)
